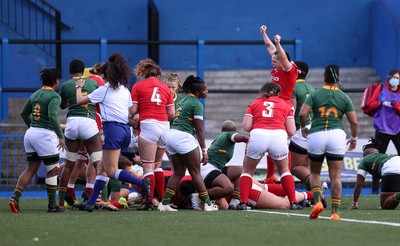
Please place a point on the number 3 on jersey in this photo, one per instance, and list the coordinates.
(269, 109)
(156, 97)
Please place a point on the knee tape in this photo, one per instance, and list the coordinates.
(51, 181)
(51, 167)
(95, 156)
(71, 156)
(82, 156)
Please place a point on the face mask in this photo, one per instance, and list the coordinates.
(394, 82)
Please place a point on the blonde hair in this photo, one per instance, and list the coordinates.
(173, 77)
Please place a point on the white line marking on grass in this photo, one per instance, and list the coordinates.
(328, 218)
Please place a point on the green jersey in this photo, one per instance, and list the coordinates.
(188, 109)
(42, 109)
(68, 93)
(301, 92)
(328, 105)
(177, 98)
(221, 150)
(373, 164)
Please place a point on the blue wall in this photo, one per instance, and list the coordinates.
(331, 31)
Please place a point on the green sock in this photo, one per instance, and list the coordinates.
(104, 193)
(204, 197)
(316, 190)
(397, 196)
(169, 193)
(61, 195)
(236, 194)
(307, 183)
(17, 194)
(52, 195)
(335, 205)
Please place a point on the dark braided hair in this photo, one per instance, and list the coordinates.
(270, 89)
(191, 84)
(117, 71)
(371, 147)
(331, 74)
(303, 69)
(372, 143)
(49, 76)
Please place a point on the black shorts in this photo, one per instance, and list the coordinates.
(391, 183)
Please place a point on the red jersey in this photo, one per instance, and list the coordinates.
(286, 79)
(100, 82)
(269, 113)
(153, 98)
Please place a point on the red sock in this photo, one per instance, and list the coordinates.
(89, 191)
(71, 191)
(116, 204)
(310, 195)
(160, 183)
(270, 167)
(152, 184)
(287, 182)
(276, 189)
(245, 187)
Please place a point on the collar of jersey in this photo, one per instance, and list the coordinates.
(330, 87)
(47, 88)
(300, 80)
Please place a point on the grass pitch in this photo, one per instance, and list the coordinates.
(366, 226)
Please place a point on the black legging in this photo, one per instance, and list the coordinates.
(383, 140)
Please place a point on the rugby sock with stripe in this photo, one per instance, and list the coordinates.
(335, 205)
(99, 184)
(169, 193)
(203, 195)
(316, 191)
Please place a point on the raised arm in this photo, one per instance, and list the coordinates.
(268, 43)
(286, 64)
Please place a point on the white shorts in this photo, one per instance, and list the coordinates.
(42, 141)
(154, 131)
(330, 142)
(299, 140)
(272, 141)
(392, 166)
(81, 128)
(206, 169)
(179, 142)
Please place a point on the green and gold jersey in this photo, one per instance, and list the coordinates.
(301, 92)
(221, 150)
(68, 92)
(373, 164)
(42, 110)
(177, 98)
(328, 105)
(188, 109)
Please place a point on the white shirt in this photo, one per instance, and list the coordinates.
(114, 104)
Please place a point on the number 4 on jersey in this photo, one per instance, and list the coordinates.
(156, 97)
